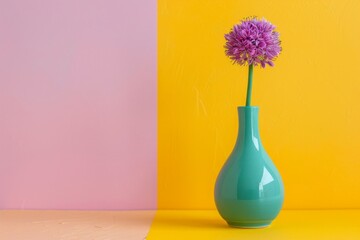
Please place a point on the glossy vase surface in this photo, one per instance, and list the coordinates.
(249, 191)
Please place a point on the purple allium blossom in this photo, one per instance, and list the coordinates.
(253, 41)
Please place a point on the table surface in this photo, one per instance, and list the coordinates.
(172, 225)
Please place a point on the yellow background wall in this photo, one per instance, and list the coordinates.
(309, 102)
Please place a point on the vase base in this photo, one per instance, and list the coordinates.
(249, 225)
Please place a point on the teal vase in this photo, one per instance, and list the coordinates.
(249, 191)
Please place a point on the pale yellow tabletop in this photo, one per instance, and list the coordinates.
(173, 225)
(74, 225)
(290, 225)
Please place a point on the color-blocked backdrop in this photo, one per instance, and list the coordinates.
(78, 104)
(309, 102)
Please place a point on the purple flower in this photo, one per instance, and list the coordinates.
(254, 42)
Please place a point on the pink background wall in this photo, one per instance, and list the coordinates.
(78, 104)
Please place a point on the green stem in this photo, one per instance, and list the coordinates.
(249, 87)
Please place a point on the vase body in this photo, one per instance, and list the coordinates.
(249, 191)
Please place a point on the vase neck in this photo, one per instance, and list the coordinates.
(248, 133)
